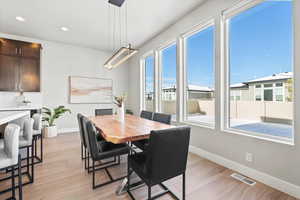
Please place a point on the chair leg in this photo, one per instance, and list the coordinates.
(42, 153)
(81, 151)
(35, 146)
(13, 182)
(94, 174)
(183, 186)
(88, 161)
(32, 164)
(28, 164)
(20, 179)
(149, 192)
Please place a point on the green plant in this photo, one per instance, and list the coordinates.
(50, 116)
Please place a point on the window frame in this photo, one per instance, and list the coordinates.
(159, 51)
(225, 126)
(183, 37)
(143, 80)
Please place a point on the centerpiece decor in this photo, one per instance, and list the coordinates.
(49, 116)
(119, 101)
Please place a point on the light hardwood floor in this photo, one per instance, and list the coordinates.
(62, 177)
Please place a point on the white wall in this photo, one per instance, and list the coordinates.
(58, 62)
(277, 160)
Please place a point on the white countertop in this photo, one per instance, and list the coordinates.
(7, 116)
(16, 108)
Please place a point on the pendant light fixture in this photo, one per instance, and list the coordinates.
(125, 51)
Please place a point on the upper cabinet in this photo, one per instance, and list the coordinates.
(19, 66)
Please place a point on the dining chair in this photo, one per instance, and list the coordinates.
(142, 143)
(162, 118)
(37, 135)
(99, 112)
(85, 155)
(102, 150)
(11, 159)
(146, 115)
(165, 158)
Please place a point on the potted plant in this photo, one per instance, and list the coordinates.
(49, 116)
(119, 101)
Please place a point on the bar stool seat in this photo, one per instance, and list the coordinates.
(5, 160)
(24, 142)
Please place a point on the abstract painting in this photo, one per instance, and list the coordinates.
(87, 90)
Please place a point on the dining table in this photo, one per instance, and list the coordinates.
(132, 128)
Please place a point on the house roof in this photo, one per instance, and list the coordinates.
(274, 77)
(194, 88)
(238, 85)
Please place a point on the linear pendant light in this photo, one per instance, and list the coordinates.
(123, 53)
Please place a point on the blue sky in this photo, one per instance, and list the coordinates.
(261, 44)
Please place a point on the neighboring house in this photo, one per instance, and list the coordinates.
(194, 92)
(277, 88)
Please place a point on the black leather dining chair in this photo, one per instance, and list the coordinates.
(99, 112)
(102, 150)
(165, 158)
(159, 117)
(146, 114)
(162, 117)
(84, 153)
(142, 143)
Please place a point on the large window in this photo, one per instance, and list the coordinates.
(260, 56)
(168, 91)
(149, 83)
(199, 67)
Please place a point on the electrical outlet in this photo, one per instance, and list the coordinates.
(249, 157)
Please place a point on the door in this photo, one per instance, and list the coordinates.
(9, 73)
(29, 75)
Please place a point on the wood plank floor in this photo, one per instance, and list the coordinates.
(62, 177)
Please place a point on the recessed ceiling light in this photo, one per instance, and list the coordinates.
(20, 19)
(64, 28)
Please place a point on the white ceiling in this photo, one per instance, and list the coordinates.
(88, 19)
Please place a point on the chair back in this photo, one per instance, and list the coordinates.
(90, 137)
(28, 130)
(37, 125)
(146, 114)
(99, 112)
(167, 153)
(11, 142)
(81, 131)
(20, 123)
(163, 118)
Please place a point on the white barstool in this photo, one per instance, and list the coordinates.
(10, 157)
(26, 142)
(37, 134)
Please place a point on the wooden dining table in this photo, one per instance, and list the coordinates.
(132, 129)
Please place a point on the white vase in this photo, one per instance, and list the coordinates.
(50, 131)
(121, 113)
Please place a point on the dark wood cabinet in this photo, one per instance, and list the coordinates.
(19, 66)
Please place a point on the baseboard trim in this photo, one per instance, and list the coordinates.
(262, 177)
(67, 130)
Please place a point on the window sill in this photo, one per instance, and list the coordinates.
(199, 124)
(260, 136)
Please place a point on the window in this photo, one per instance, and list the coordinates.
(168, 80)
(258, 94)
(149, 83)
(199, 68)
(259, 50)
